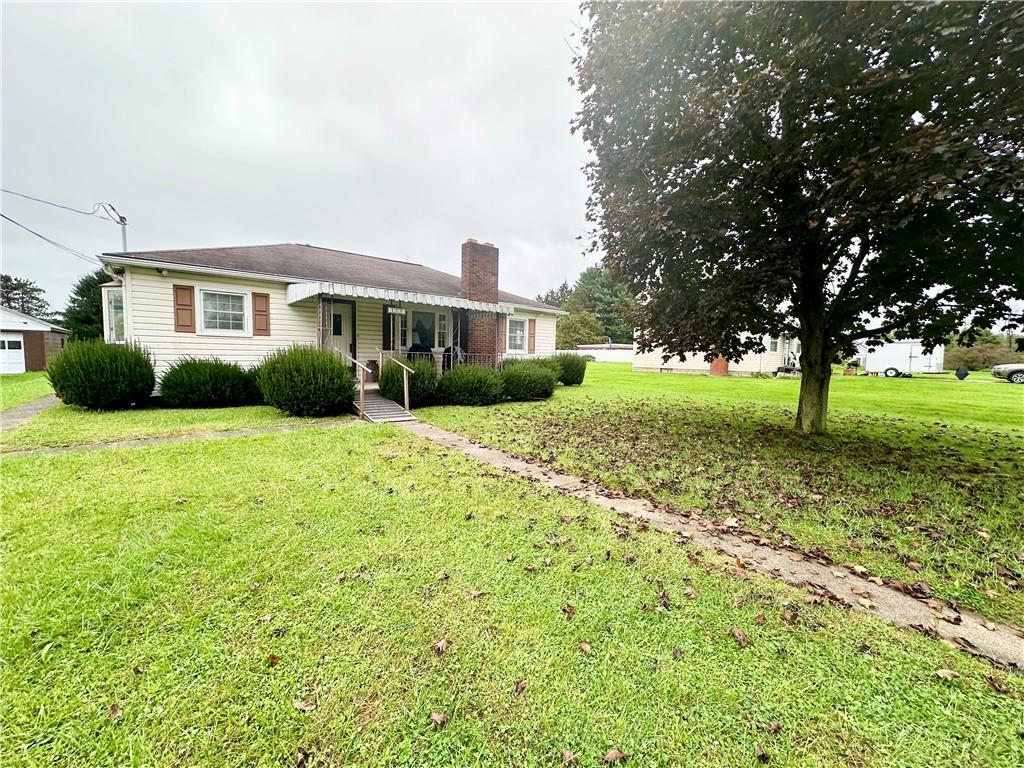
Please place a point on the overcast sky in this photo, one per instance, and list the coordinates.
(391, 130)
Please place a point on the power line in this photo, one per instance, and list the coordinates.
(96, 208)
(72, 251)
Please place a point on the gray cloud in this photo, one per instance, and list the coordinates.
(394, 130)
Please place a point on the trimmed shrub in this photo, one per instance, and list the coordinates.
(551, 363)
(102, 377)
(572, 369)
(305, 381)
(469, 385)
(422, 382)
(194, 383)
(528, 381)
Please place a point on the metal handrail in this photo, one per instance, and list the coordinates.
(363, 370)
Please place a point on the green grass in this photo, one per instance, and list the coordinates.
(65, 425)
(19, 388)
(160, 580)
(919, 480)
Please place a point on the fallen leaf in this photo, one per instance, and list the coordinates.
(615, 756)
(442, 645)
(114, 712)
(585, 648)
(520, 687)
(443, 576)
(438, 719)
(865, 603)
(511, 558)
(566, 519)
(689, 593)
(946, 674)
(762, 756)
(914, 565)
(138, 671)
(677, 653)
(548, 561)
(303, 705)
(569, 610)
(272, 659)
(740, 635)
(301, 758)
(860, 592)
(760, 619)
(568, 758)
(997, 685)
(269, 617)
(731, 522)
(773, 727)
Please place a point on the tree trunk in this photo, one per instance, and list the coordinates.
(815, 376)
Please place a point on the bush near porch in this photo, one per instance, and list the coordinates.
(102, 377)
(305, 381)
(422, 382)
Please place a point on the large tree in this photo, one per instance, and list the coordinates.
(84, 313)
(596, 292)
(837, 171)
(24, 296)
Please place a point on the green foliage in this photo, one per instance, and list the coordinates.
(572, 369)
(305, 381)
(838, 171)
(102, 377)
(469, 385)
(83, 315)
(193, 383)
(578, 328)
(23, 296)
(422, 382)
(556, 297)
(980, 357)
(527, 381)
(597, 293)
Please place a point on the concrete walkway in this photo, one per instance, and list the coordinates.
(19, 414)
(999, 643)
(143, 442)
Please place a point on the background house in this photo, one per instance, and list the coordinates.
(240, 304)
(28, 343)
(777, 352)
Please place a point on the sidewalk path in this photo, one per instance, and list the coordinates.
(19, 414)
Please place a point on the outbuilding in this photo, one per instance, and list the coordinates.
(28, 343)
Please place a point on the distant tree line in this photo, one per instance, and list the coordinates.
(989, 349)
(598, 309)
(83, 315)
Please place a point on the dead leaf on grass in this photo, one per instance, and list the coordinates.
(114, 712)
(740, 635)
(476, 594)
(273, 659)
(569, 610)
(946, 674)
(520, 687)
(442, 645)
(760, 619)
(304, 705)
(568, 758)
(615, 756)
(997, 685)
(773, 727)
(585, 648)
(438, 719)
(762, 756)
(689, 593)
(301, 758)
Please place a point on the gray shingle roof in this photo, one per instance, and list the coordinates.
(309, 262)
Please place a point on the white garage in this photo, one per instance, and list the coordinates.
(12, 352)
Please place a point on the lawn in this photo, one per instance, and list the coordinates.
(19, 388)
(64, 425)
(920, 480)
(249, 601)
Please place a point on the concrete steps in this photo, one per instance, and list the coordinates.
(380, 409)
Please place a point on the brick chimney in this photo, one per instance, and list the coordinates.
(480, 271)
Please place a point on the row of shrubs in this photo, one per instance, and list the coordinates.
(519, 379)
(302, 381)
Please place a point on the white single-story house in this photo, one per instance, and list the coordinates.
(778, 353)
(28, 343)
(241, 303)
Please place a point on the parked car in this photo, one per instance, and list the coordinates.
(1012, 372)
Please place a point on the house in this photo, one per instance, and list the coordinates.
(778, 352)
(28, 343)
(241, 303)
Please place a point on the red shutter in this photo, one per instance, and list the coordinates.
(261, 314)
(184, 308)
(532, 337)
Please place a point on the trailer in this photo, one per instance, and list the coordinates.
(896, 358)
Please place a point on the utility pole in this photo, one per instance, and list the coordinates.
(124, 227)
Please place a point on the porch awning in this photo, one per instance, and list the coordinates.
(301, 291)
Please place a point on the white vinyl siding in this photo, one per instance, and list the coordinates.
(766, 362)
(149, 306)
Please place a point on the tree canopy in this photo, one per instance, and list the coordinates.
(599, 309)
(24, 296)
(839, 172)
(84, 313)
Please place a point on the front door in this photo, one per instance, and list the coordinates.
(339, 329)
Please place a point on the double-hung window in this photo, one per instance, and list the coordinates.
(516, 335)
(442, 330)
(773, 345)
(223, 313)
(113, 315)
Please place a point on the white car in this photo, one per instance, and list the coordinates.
(1012, 372)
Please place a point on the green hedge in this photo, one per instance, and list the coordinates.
(422, 382)
(469, 385)
(529, 381)
(102, 377)
(572, 369)
(305, 381)
(194, 383)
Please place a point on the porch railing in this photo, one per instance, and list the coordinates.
(444, 360)
(361, 372)
(406, 371)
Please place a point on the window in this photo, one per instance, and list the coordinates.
(223, 312)
(773, 345)
(403, 331)
(516, 335)
(336, 324)
(423, 329)
(442, 330)
(13, 344)
(113, 315)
